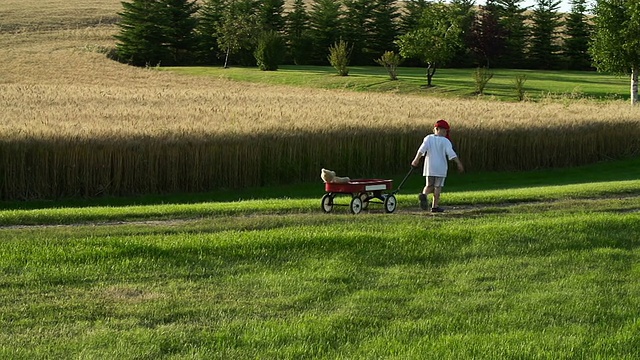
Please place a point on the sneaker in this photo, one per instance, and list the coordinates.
(437, 210)
(424, 205)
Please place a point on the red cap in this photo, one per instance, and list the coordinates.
(443, 124)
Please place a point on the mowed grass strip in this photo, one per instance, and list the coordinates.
(458, 83)
(529, 283)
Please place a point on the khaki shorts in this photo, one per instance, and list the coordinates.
(435, 181)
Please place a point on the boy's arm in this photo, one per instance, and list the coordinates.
(459, 163)
(416, 160)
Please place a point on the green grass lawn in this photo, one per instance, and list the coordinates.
(447, 82)
(522, 265)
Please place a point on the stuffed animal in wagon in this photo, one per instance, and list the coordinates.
(329, 176)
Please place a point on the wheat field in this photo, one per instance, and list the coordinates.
(74, 123)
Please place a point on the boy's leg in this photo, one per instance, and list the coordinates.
(436, 196)
(437, 190)
(428, 186)
(424, 201)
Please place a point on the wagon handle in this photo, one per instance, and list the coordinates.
(403, 180)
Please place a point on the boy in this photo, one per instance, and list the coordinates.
(437, 150)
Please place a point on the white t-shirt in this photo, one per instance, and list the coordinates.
(437, 151)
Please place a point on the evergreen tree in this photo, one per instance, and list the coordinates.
(544, 51)
(465, 14)
(577, 35)
(270, 15)
(513, 22)
(384, 28)
(154, 32)
(410, 18)
(180, 30)
(297, 19)
(488, 37)
(270, 51)
(325, 28)
(357, 30)
(298, 39)
(141, 38)
(210, 20)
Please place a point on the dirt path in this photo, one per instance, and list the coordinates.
(630, 204)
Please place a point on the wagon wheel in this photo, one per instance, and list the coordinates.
(365, 202)
(390, 203)
(327, 203)
(356, 205)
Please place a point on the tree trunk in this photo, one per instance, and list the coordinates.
(431, 70)
(634, 84)
(226, 58)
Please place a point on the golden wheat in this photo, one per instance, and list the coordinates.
(73, 123)
(30, 15)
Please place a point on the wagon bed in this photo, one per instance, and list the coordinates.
(359, 185)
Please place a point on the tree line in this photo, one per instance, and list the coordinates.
(501, 33)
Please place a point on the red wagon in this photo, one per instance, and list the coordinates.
(363, 192)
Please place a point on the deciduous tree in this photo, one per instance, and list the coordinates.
(435, 41)
(616, 41)
(238, 30)
(488, 37)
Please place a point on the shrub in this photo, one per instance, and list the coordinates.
(390, 61)
(481, 78)
(519, 86)
(338, 57)
(270, 51)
